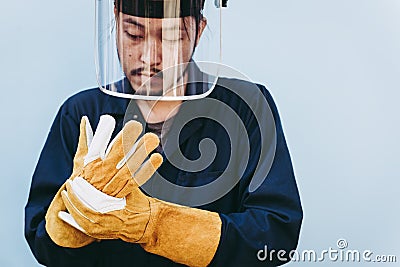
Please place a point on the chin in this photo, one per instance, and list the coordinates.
(153, 91)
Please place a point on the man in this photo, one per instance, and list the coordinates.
(220, 186)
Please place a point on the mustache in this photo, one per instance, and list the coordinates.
(138, 71)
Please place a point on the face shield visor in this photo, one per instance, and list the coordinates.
(158, 49)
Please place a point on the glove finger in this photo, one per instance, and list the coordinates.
(145, 172)
(66, 217)
(123, 143)
(61, 233)
(85, 137)
(148, 169)
(88, 225)
(83, 215)
(126, 190)
(93, 198)
(117, 151)
(119, 186)
(146, 144)
(101, 138)
(98, 225)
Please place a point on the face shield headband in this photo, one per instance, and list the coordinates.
(160, 8)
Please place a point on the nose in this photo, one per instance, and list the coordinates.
(152, 52)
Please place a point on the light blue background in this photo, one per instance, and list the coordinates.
(333, 67)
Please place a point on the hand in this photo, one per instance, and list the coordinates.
(183, 234)
(109, 171)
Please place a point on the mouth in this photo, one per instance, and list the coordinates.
(147, 74)
(153, 73)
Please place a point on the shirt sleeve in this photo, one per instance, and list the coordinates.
(53, 168)
(266, 227)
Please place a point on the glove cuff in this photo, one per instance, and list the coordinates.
(184, 235)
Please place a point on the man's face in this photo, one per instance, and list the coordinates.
(147, 46)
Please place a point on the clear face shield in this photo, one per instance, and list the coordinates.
(158, 49)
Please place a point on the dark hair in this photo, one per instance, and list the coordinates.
(155, 8)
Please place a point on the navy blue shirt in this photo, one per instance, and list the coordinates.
(258, 208)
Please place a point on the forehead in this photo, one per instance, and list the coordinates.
(156, 23)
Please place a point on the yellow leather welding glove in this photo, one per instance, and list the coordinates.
(182, 234)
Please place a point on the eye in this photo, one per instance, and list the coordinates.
(134, 37)
(172, 37)
(172, 40)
